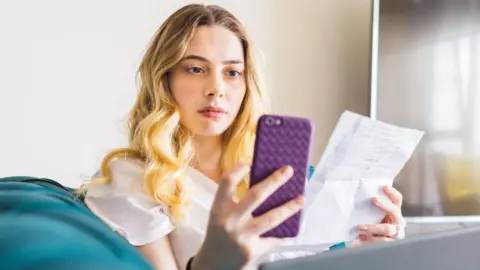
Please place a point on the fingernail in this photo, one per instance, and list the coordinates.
(287, 170)
(362, 228)
(299, 200)
(362, 237)
(377, 201)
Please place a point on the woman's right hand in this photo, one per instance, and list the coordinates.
(233, 239)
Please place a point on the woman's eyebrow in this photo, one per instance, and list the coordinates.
(203, 59)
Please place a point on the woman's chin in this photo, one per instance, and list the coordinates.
(211, 130)
(208, 127)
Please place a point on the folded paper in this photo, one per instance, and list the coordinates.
(362, 156)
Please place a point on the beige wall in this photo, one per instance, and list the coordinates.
(322, 61)
(74, 81)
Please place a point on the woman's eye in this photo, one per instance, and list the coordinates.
(195, 70)
(233, 73)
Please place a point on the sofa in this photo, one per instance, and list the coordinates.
(44, 225)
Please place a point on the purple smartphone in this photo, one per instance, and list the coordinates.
(282, 140)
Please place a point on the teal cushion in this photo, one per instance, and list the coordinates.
(44, 226)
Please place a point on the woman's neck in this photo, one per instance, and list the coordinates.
(208, 154)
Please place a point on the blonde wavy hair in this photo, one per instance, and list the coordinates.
(156, 136)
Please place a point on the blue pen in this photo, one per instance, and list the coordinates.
(338, 246)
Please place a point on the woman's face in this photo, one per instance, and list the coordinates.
(208, 84)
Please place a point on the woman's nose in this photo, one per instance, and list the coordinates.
(216, 86)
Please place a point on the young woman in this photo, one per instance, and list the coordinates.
(180, 189)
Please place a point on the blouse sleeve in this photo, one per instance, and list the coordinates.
(132, 214)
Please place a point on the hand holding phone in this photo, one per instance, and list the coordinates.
(282, 141)
(232, 232)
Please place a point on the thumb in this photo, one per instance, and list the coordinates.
(229, 183)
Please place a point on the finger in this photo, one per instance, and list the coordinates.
(261, 191)
(357, 243)
(229, 183)
(392, 210)
(385, 230)
(370, 239)
(275, 217)
(394, 195)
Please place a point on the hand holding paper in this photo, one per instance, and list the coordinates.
(392, 226)
(362, 157)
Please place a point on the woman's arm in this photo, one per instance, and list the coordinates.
(160, 254)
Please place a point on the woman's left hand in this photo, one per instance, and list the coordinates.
(392, 227)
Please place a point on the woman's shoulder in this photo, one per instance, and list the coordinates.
(126, 175)
(125, 207)
(126, 168)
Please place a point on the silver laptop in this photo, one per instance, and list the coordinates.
(448, 250)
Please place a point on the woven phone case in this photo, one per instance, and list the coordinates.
(276, 146)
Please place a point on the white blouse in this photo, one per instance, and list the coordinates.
(141, 220)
